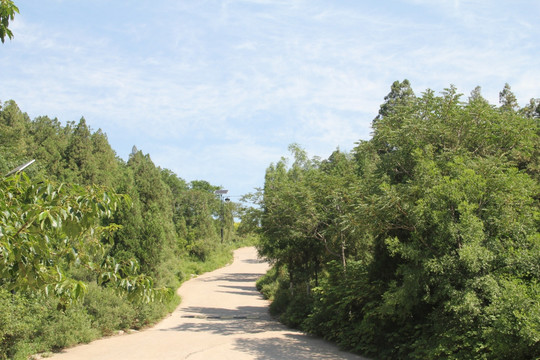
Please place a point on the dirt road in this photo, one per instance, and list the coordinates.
(222, 316)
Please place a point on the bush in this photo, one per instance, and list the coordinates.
(151, 313)
(268, 284)
(31, 324)
(292, 305)
(19, 319)
(67, 328)
(109, 311)
(202, 248)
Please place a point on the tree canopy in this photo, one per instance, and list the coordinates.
(424, 241)
(91, 240)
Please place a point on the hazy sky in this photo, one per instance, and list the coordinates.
(216, 90)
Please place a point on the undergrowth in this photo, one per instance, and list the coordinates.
(31, 324)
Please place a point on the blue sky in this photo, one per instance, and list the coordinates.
(216, 90)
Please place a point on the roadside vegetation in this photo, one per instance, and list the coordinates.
(421, 243)
(91, 244)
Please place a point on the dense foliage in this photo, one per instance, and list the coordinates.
(7, 14)
(423, 242)
(88, 241)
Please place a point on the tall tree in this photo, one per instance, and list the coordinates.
(148, 231)
(104, 158)
(200, 208)
(290, 219)
(400, 94)
(178, 188)
(532, 109)
(48, 145)
(507, 99)
(338, 193)
(80, 164)
(14, 140)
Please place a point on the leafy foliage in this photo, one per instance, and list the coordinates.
(94, 261)
(7, 14)
(425, 244)
(45, 228)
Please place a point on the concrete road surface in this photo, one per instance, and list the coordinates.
(222, 316)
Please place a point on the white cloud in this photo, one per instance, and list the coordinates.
(207, 83)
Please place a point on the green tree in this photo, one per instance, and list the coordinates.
(439, 222)
(148, 232)
(104, 158)
(400, 94)
(7, 14)
(200, 208)
(438, 247)
(14, 140)
(339, 191)
(80, 166)
(290, 219)
(507, 99)
(178, 188)
(48, 145)
(45, 229)
(250, 215)
(532, 109)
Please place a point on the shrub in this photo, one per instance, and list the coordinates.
(67, 328)
(19, 317)
(109, 310)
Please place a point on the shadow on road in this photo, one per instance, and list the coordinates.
(253, 261)
(240, 277)
(275, 341)
(258, 311)
(243, 320)
(290, 346)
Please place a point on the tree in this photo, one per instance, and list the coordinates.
(338, 187)
(178, 188)
(507, 99)
(400, 94)
(46, 228)
(148, 232)
(201, 210)
(7, 14)
(250, 215)
(532, 109)
(290, 219)
(60, 241)
(80, 166)
(104, 158)
(14, 140)
(438, 220)
(446, 227)
(48, 146)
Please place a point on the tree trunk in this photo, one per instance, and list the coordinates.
(343, 258)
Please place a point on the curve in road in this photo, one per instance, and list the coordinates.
(222, 316)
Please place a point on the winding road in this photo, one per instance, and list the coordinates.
(222, 316)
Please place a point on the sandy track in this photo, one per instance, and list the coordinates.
(222, 316)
